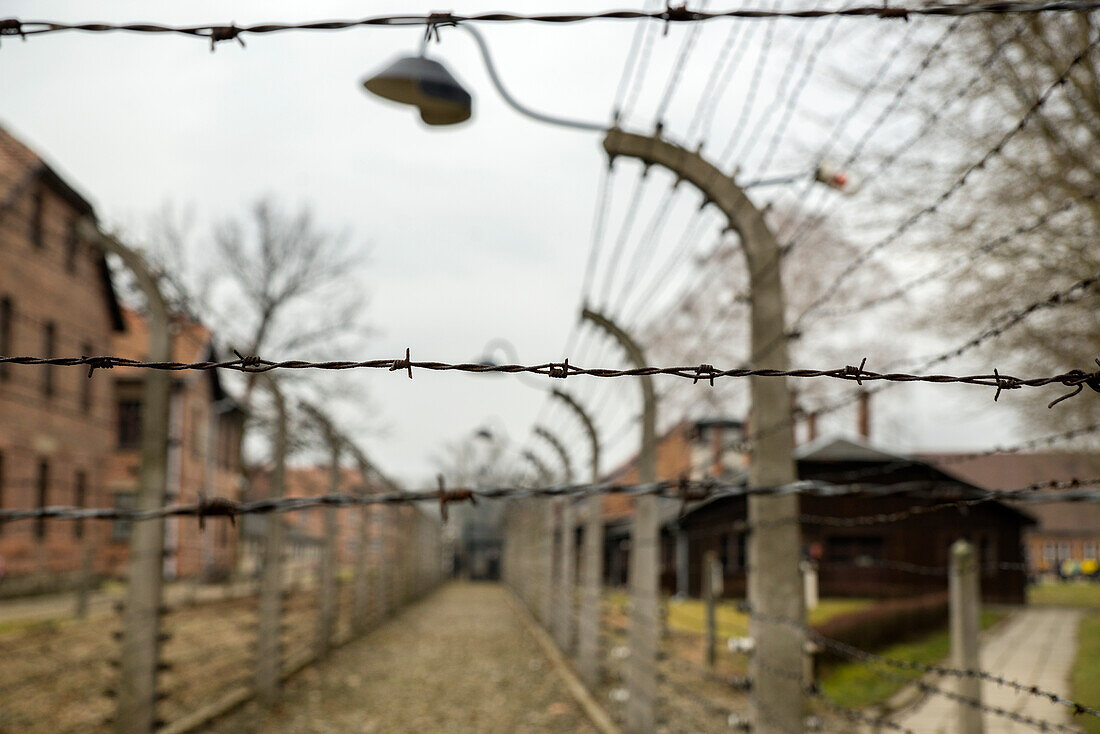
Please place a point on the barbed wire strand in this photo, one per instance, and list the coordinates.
(1061, 490)
(959, 183)
(1076, 379)
(216, 33)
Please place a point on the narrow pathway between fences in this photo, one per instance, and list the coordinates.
(459, 660)
(1036, 646)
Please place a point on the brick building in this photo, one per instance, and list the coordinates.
(305, 529)
(205, 426)
(56, 298)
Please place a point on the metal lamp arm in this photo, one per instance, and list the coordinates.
(513, 102)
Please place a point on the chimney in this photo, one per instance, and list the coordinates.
(716, 451)
(864, 415)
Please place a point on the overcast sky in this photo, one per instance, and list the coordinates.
(475, 232)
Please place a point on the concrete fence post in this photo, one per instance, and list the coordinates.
(774, 583)
(588, 644)
(966, 610)
(382, 517)
(327, 614)
(645, 547)
(271, 569)
(567, 576)
(546, 553)
(809, 584)
(87, 572)
(137, 691)
(588, 615)
(362, 574)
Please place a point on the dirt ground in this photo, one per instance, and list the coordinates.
(60, 675)
(457, 661)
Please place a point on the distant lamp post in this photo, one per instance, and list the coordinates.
(429, 86)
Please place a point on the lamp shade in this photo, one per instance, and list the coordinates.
(428, 85)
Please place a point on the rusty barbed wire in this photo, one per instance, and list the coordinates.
(1068, 490)
(1008, 320)
(998, 149)
(1076, 379)
(218, 32)
(969, 256)
(998, 326)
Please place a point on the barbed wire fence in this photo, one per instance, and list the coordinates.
(298, 623)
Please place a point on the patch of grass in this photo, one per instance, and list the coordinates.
(27, 626)
(854, 685)
(1085, 679)
(690, 615)
(1069, 594)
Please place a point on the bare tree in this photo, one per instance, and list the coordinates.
(273, 283)
(1049, 165)
(480, 459)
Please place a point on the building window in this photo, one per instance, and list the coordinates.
(38, 218)
(120, 529)
(80, 498)
(1064, 553)
(49, 342)
(42, 485)
(1048, 553)
(7, 314)
(1090, 549)
(86, 384)
(72, 244)
(129, 424)
(724, 550)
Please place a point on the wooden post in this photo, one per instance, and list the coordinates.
(966, 611)
(271, 570)
(712, 591)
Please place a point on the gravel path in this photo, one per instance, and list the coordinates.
(458, 661)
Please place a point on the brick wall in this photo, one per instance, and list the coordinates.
(203, 455)
(54, 425)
